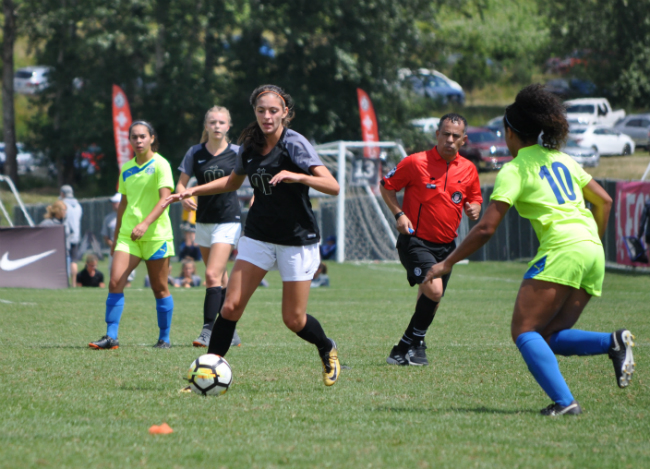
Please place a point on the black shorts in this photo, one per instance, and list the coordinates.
(418, 255)
(74, 252)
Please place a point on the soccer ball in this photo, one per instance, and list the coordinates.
(209, 375)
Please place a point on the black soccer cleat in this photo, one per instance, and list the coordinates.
(162, 344)
(105, 343)
(620, 353)
(397, 357)
(555, 410)
(417, 354)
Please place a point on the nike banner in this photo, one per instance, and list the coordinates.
(33, 257)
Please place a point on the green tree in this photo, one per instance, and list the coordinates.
(616, 36)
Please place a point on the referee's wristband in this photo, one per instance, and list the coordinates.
(398, 214)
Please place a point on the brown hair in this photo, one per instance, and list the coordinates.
(56, 210)
(252, 135)
(152, 132)
(204, 136)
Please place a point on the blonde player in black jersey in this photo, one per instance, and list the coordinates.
(281, 231)
(218, 217)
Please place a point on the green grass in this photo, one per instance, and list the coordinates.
(476, 405)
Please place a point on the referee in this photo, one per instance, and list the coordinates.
(438, 184)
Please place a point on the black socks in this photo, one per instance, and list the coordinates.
(222, 334)
(212, 305)
(425, 310)
(314, 334)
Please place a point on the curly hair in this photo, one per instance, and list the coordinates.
(537, 110)
(252, 135)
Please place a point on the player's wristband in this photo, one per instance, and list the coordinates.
(397, 215)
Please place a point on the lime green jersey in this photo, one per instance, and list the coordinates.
(545, 186)
(140, 185)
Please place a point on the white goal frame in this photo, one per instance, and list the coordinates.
(339, 149)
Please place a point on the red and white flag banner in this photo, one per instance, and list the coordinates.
(369, 130)
(121, 124)
(630, 199)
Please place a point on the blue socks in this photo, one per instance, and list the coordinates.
(543, 365)
(575, 342)
(114, 308)
(165, 308)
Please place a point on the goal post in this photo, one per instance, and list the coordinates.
(362, 229)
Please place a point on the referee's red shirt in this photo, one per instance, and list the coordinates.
(435, 192)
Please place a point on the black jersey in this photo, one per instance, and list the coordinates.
(218, 208)
(280, 214)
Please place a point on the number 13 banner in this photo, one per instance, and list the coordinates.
(630, 199)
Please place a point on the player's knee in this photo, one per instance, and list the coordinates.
(212, 279)
(229, 310)
(294, 322)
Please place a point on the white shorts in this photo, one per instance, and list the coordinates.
(208, 234)
(295, 263)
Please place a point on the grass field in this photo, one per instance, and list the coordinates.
(476, 405)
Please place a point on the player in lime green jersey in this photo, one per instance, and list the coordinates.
(550, 189)
(142, 232)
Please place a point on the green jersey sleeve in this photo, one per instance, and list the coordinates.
(507, 186)
(165, 176)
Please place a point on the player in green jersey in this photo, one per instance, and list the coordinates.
(142, 232)
(549, 188)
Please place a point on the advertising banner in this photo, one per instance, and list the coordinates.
(369, 130)
(121, 124)
(33, 257)
(630, 199)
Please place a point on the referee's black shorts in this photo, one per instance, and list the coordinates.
(418, 255)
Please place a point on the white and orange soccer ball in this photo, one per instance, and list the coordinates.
(209, 375)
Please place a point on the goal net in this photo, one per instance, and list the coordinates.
(363, 225)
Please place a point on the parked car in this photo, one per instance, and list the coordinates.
(31, 80)
(428, 125)
(485, 149)
(496, 125)
(25, 160)
(592, 111)
(637, 127)
(584, 156)
(570, 88)
(434, 85)
(605, 140)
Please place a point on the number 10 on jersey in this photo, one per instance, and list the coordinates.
(557, 183)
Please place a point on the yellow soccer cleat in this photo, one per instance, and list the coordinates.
(331, 365)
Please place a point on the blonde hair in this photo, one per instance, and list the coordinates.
(188, 262)
(56, 210)
(204, 135)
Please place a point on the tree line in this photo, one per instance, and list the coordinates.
(177, 58)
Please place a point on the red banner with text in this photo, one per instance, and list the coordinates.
(630, 200)
(369, 130)
(121, 124)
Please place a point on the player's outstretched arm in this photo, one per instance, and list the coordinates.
(218, 186)
(475, 239)
(188, 204)
(320, 179)
(601, 204)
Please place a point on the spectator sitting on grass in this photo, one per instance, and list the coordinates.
(90, 276)
(188, 277)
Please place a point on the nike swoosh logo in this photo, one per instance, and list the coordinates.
(9, 265)
(249, 160)
(201, 161)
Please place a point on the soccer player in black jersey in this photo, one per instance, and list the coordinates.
(281, 231)
(218, 216)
